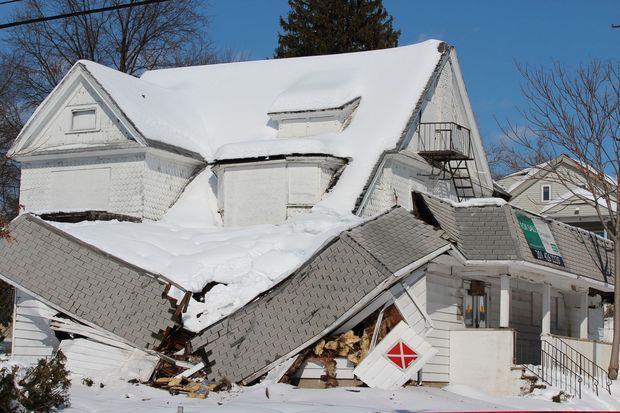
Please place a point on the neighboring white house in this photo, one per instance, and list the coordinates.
(262, 196)
(541, 191)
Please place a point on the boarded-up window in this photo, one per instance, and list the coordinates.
(303, 184)
(255, 195)
(80, 190)
(82, 120)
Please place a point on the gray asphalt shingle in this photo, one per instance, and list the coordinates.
(86, 282)
(313, 298)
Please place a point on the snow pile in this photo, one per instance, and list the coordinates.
(282, 398)
(159, 113)
(244, 261)
(320, 90)
(478, 202)
(197, 205)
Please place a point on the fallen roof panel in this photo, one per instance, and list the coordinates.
(85, 282)
(297, 311)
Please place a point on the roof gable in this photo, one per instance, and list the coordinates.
(49, 127)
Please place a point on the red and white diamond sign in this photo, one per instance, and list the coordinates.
(402, 355)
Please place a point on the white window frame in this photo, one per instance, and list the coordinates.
(542, 192)
(74, 110)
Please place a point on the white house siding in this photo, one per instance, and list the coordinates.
(253, 195)
(446, 104)
(410, 299)
(125, 183)
(443, 304)
(397, 181)
(268, 192)
(164, 181)
(57, 132)
(32, 336)
(381, 195)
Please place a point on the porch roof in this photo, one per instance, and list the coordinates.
(492, 233)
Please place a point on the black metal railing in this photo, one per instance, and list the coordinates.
(557, 370)
(445, 139)
(593, 374)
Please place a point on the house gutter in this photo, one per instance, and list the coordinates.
(521, 265)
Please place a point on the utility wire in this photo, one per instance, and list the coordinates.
(9, 1)
(78, 13)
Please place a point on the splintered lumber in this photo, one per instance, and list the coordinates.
(69, 326)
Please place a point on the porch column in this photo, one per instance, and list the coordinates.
(583, 315)
(504, 301)
(546, 309)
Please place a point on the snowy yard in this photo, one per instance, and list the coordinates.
(276, 398)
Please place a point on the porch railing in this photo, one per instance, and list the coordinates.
(557, 369)
(592, 374)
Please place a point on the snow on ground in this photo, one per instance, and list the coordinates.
(281, 398)
(244, 261)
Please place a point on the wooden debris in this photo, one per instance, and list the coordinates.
(354, 345)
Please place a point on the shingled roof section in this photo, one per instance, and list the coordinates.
(310, 301)
(492, 232)
(86, 283)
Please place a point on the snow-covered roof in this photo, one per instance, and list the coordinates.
(189, 248)
(222, 111)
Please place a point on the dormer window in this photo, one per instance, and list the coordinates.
(311, 122)
(83, 120)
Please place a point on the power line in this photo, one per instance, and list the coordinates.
(78, 13)
(9, 1)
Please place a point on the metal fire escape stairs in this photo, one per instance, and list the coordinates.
(447, 147)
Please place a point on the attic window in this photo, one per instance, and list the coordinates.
(83, 120)
(545, 193)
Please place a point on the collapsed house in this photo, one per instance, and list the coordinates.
(329, 218)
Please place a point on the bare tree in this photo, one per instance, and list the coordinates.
(130, 40)
(576, 113)
(10, 124)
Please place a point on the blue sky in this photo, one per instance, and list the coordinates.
(489, 35)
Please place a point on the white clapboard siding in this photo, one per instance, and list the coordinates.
(410, 299)
(377, 371)
(33, 338)
(87, 358)
(313, 370)
(443, 306)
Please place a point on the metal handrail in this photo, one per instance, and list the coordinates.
(594, 373)
(445, 136)
(557, 369)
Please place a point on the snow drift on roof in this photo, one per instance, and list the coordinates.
(319, 90)
(234, 101)
(243, 261)
(159, 114)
